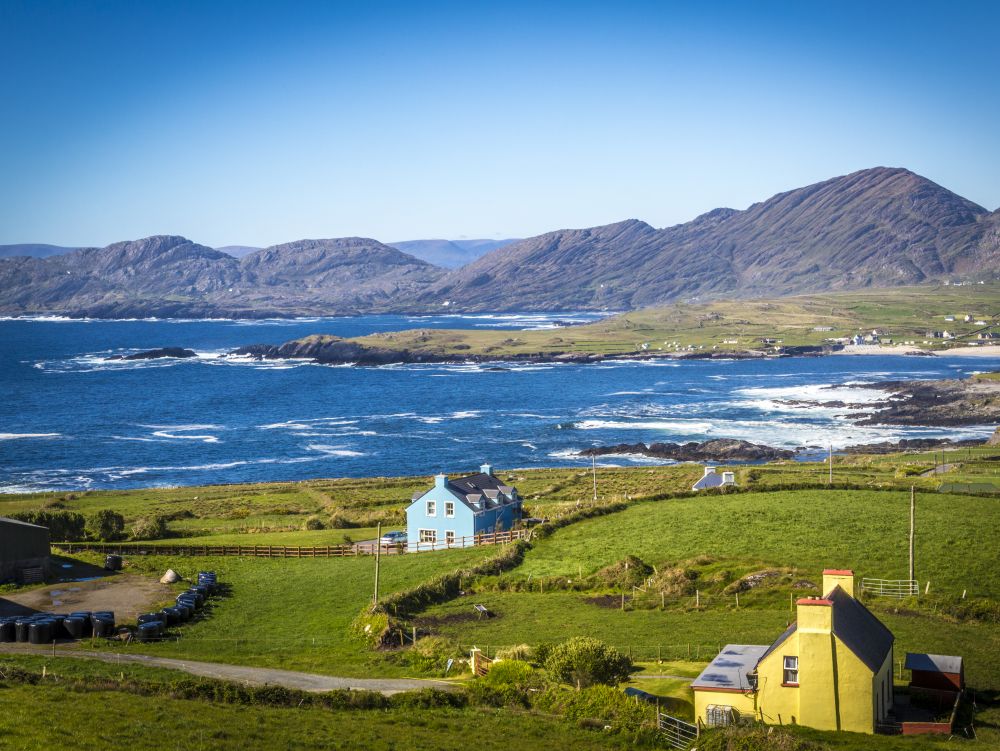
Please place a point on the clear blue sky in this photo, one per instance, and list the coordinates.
(257, 123)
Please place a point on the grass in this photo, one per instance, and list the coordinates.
(901, 313)
(810, 530)
(48, 716)
(294, 613)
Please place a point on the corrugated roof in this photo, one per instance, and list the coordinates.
(5, 521)
(708, 481)
(862, 632)
(933, 663)
(730, 667)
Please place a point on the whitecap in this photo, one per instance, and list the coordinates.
(19, 436)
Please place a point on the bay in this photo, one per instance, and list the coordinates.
(71, 419)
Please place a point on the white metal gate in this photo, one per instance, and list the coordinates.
(898, 588)
(679, 734)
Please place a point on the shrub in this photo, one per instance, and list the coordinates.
(371, 628)
(150, 528)
(63, 526)
(753, 739)
(507, 683)
(431, 655)
(583, 661)
(106, 525)
(522, 652)
(314, 522)
(597, 706)
(629, 572)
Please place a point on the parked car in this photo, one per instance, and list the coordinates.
(392, 538)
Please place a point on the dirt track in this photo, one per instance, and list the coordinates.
(124, 594)
(241, 674)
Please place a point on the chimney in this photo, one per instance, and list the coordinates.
(440, 480)
(843, 577)
(818, 679)
(486, 469)
(709, 471)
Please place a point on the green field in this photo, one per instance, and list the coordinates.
(899, 313)
(296, 613)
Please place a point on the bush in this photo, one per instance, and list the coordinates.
(314, 522)
(371, 628)
(583, 661)
(522, 652)
(629, 572)
(63, 526)
(431, 654)
(754, 739)
(106, 525)
(597, 706)
(151, 528)
(507, 684)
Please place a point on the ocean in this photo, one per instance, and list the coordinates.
(72, 420)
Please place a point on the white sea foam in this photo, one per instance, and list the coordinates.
(678, 426)
(19, 436)
(333, 450)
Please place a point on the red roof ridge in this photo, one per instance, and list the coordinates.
(814, 601)
(838, 571)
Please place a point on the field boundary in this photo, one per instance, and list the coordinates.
(288, 551)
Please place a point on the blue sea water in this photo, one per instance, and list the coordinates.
(70, 419)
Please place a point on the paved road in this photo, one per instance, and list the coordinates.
(243, 674)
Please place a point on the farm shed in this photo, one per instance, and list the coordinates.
(935, 672)
(24, 550)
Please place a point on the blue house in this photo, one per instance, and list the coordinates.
(453, 512)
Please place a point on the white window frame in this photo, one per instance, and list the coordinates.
(449, 537)
(431, 509)
(790, 670)
(449, 509)
(427, 536)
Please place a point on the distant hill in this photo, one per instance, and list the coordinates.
(449, 254)
(875, 228)
(237, 251)
(33, 250)
(172, 276)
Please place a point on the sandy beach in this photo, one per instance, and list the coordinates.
(903, 349)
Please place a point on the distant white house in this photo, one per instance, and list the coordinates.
(713, 479)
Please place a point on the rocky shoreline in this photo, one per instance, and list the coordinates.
(943, 403)
(723, 450)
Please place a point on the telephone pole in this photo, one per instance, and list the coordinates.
(378, 560)
(830, 481)
(913, 508)
(593, 460)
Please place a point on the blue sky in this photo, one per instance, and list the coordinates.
(258, 123)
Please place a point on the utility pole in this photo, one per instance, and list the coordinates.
(913, 508)
(378, 560)
(593, 460)
(830, 481)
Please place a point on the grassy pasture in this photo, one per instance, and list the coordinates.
(809, 530)
(294, 613)
(902, 313)
(38, 717)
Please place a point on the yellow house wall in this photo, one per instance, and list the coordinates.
(777, 704)
(836, 690)
(745, 704)
(855, 684)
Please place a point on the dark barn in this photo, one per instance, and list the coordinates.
(24, 551)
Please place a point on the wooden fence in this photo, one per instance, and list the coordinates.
(286, 551)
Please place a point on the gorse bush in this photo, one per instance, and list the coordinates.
(106, 525)
(149, 528)
(314, 523)
(583, 661)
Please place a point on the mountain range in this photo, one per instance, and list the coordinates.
(879, 227)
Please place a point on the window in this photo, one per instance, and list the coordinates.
(449, 537)
(449, 509)
(432, 508)
(791, 676)
(428, 536)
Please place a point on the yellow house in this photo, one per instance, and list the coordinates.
(831, 669)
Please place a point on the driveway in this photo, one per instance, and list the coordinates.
(242, 674)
